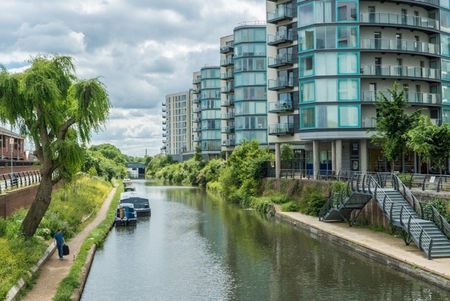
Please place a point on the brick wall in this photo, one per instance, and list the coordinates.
(14, 200)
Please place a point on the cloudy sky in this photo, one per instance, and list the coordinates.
(142, 49)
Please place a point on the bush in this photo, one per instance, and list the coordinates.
(280, 199)
(291, 206)
(441, 205)
(312, 201)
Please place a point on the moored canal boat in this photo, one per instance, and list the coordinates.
(140, 202)
(125, 215)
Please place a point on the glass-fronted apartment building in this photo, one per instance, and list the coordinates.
(177, 129)
(244, 85)
(347, 52)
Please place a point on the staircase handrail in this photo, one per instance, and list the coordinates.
(425, 242)
(440, 221)
(407, 194)
(330, 203)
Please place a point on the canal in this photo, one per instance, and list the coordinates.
(198, 248)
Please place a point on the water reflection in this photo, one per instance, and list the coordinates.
(195, 247)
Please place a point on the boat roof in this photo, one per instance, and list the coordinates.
(132, 194)
(129, 205)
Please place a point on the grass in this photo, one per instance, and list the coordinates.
(96, 237)
(70, 205)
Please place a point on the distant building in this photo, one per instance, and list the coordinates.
(136, 170)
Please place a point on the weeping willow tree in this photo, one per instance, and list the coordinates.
(58, 112)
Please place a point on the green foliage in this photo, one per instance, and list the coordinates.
(157, 163)
(70, 205)
(287, 152)
(393, 123)
(96, 237)
(211, 172)
(431, 141)
(261, 204)
(312, 200)
(291, 206)
(441, 205)
(107, 166)
(280, 199)
(406, 179)
(110, 152)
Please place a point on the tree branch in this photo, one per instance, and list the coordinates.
(65, 127)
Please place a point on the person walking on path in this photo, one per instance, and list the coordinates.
(59, 237)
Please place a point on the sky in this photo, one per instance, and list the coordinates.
(140, 49)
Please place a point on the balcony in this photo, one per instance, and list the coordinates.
(282, 106)
(197, 110)
(227, 49)
(228, 102)
(226, 62)
(280, 37)
(164, 135)
(229, 87)
(197, 120)
(281, 129)
(196, 80)
(164, 122)
(228, 75)
(196, 129)
(400, 19)
(228, 142)
(195, 99)
(228, 129)
(281, 61)
(281, 14)
(400, 71)
(419, 98)
(400, 46)
(281, 83)
(196, 91)
(197, 139)
(229, 115)
(369, 123)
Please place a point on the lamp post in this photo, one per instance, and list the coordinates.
(11, 143)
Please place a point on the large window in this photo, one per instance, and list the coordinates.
(445, 44)
(324, 11)
(307, 90)
(211, 114)
(347, 11)
(251, 49)
(307, 65)
(210, 135)
(348, 89)
(250, 35)
(326, 63)
(446, 93)
(445, 20)
(250, 107)
(250, 79)
(210, 83)
(347, 37)
(250, 123)
(327, 116)
(250, 64)
(250, 93)
(327, 91)
(445, 69)
(446, 116)
(348, 63)
(210, 93)
(308, 118)
(306, 39)
(210, 73)
(306, 14)
(326, 37)
(349, 116)
(260, 136)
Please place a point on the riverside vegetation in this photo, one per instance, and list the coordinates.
(71, 205)
(240, 180)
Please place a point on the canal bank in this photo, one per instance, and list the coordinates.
(195, 247)
(378, 246)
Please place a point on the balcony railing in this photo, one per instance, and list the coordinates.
(412, 97)
(281, 129)
(227, 48)
(281, 106)
(399, 19)
(281, 60)
(400, 45)
(196, 80)
(226, 62)
(369, 123)
(229, 115)
(400, 71)
(195, 91)
(228, 142)
(280, 14)
(228, 102)
(197, 110)
(228, 129)
(280, 37)
(227, 75)
(281, 83)
(228, 88)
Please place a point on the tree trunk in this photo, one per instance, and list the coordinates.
(393, 166)
(39, 206)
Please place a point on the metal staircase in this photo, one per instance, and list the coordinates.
(425, 227)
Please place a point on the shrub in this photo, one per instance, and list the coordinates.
(312, 201)
(280, 199)
(291, 206)
(441, 205)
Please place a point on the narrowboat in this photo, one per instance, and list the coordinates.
(129, 189)
(140, 202)
(125, 215)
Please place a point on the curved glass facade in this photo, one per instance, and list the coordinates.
(210, 109)
(250, 83)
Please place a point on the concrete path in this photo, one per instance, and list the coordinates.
(55, 270)
(380, 242)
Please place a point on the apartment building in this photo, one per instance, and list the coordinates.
(244, 85)
(323, 102)
(177, 124)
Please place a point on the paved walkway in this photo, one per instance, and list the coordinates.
(55, 270)
(380, 242)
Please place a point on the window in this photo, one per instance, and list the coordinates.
(250, 107)
(445, 20)
(260, 136)
(250, 64)
(250, 78)
(348, 89)
(327, 116)
(445, 93)
(324, 11)
(326, 37)
(308, 117)
(250, 35)
(445, 69)
(347, 11)
(327, 91)
(326, 63)
(445, 44)
(307, 91)
(446, 116)
(250, 93)
(347, 37)
(306, 39)
(348, 116)
(348, 63)
(306, 14)
(307, 65)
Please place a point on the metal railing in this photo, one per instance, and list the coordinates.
(281, 129)
(279, 14)
(281, 106)
(399, 19)
(399, 45)
(411, 97)
(17, 180)
(400, 71)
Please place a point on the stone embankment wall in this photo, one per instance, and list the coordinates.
(17, 199)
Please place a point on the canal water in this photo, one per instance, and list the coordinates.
(197, 248)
